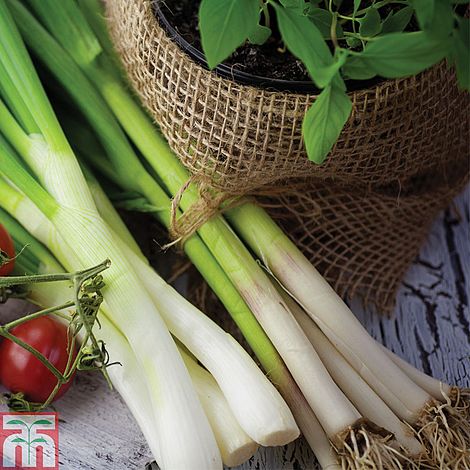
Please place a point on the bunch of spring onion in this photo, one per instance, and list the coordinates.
(235, 445)
(43, 186)
(446, 439)
(410, 424)
(129, 168)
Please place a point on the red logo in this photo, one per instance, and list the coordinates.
(29, 440)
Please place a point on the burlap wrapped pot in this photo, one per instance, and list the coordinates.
(245, 139)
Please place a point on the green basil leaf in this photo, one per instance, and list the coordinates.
(325, 74)
(461, 53)
(292, 3)
(225, 25)
(371, 23)
(436, 17)
(324, 122)
(424, 12)
(298, 5)
(397, 22)
(322, 19)
(442, 23)
(260, 35)
(357, 4)
(305, 41)
(357, 68)
(403, 54)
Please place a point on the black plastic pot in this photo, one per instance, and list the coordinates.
(224, 70)
(239, 76)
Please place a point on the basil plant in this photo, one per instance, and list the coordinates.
(342, 40)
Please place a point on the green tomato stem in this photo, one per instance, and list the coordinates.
(9, 326)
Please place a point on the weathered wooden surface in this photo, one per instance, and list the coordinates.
(430, 328)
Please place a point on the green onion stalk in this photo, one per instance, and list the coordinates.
(362, 395)
(434, 387)
(440, 419)
(250, 394)
(235, 445)
(55, 58)
(307, 421)
(124, 163)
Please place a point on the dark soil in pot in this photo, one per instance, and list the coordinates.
(269, 65)
(267, 60)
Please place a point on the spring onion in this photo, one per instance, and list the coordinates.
(233, 442)
(434, 387)
(364, 398)
(447, 439)
(305, 418)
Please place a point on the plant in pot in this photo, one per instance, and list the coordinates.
(339, 42)
(251, 124)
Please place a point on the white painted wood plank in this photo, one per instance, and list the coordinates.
(430, 328)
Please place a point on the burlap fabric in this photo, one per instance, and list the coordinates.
(245, 139)
(363, 241)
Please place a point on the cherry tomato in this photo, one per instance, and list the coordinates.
(7, 250)
(21, 371)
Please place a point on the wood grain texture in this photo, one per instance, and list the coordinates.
(430, 328)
